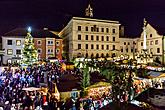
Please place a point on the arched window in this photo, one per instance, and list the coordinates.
(102, 55)
(107, 55)
(92, 55)
(86, 55)
(97, 55)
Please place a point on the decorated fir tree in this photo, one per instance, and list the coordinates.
(29, 52)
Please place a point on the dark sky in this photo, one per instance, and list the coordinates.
(54, 14)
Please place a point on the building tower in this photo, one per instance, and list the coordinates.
(144, 57)
(89, 11)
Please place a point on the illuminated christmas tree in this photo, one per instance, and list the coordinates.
(30, 55)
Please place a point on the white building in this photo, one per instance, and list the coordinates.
(87, 37)
(12, 48)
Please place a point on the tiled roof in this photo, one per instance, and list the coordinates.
(36, 33)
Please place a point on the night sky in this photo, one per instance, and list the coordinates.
(55, 14)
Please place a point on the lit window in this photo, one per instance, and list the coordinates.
(18, 42)
(9, 51)
(39, 42)
(74, 94)
(151, 42)
(156, 42)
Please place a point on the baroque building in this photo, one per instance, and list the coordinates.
(88, 37)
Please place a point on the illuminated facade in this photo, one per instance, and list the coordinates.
(47, 45)
(87, 37)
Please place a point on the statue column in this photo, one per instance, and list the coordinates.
(144, 33)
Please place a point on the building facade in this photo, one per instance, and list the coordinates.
(44, 41)
(87, 37)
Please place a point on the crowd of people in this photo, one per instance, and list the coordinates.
(12, 82)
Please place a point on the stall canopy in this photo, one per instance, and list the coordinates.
(154, 74)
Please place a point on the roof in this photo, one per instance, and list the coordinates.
(36, 33)
(154, 74)
(68, 82)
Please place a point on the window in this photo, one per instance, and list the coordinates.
(57, 51)
(122, 50)
(113, 38)
(141, 43)
(39, 51)
(18, 52)
(92, 29)
(86, 28)
(97, 29)
(126, 49)
(86, 37)
(102, 29)
(92, 46)
(128, 43)
(50, 42)
(102, 38)
(107, 38)
(74, 94)
(151, 42)
(158, 50)
(132, 50)
(113, 47)
(91, 37)
(9, 51)
(79, 28)
(97, 46)
(97, 38)
(79, 37)
(107, 30)
(150, 35)
(156, 42)
(124, 43)
(50, 51)
(38, 42)
(9, 42)
(113, 31)
(79, 46)
(86, 46)
(57, 43)
(18, 42)
(107, 47)
(102, 47)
